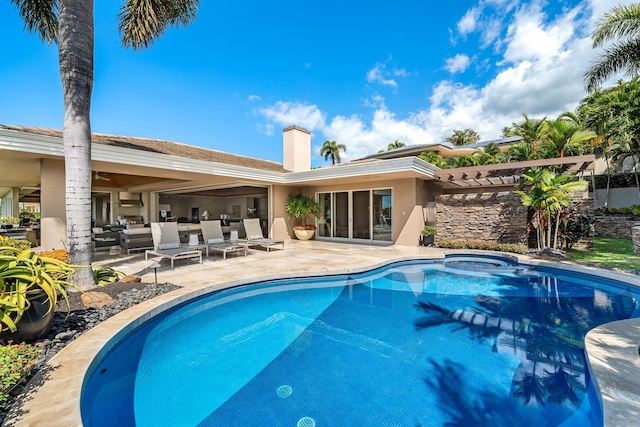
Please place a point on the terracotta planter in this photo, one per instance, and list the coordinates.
(34, 323)
(304, 234)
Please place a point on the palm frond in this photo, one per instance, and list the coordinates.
(619, 57)
(39, 16)
(143, 21)
(622, 22)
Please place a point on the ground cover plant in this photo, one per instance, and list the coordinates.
(608, 252)
(16, 363)
(482, 245)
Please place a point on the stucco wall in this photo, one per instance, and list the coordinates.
(494, 217)
(53, 222)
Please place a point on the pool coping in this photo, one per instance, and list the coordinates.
(53, 396)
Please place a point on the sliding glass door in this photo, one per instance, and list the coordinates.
(382, 218)
(362, 215)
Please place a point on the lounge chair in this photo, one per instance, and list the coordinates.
(214, 239)
(166, 243)
(255, 237)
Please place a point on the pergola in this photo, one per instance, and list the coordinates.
(483, 177)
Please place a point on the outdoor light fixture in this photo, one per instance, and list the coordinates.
(155, 266)
(206, 215)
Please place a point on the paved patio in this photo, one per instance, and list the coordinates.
(56, 401)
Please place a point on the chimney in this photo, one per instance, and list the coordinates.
(296, 143)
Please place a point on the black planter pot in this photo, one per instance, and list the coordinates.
(428, 240)
(34, 323)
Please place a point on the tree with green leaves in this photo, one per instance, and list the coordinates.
(69, 23)
(395, 145)
(566, 136)
(462, 161)
(547, 195)
(463, 137)
(434, 158)
(532, 131)
(488, 155)
(331, 150)
(518, 153)
(615, 114)
(621, 26)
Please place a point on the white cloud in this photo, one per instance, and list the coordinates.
(381, 73)
(252, 98)
(376, 75)
(467, 24)
(457, 64)
(294, 113)
(538, 71)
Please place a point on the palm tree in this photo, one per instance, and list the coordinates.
(532, 131)
(548, 195)
(395, 145)
(69, 23)
(566, 135)
(488, 155)
(462, 161)
(331, 150)
(463, 137)
(434, 158)
(621, 24)
(518, 153)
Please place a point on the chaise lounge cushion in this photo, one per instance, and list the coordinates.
(174, 245)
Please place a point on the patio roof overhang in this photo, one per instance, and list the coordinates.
(508, 174)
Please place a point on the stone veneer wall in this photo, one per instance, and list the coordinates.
(616, 227)
(494, 217)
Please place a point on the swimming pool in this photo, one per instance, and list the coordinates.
(414, 343)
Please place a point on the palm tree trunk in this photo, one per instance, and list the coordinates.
(635, 173)
(75, 49)
(539, 233)
(555, 234)
(549, 231)
(606, 157)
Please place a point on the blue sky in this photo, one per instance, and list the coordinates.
(361, 73)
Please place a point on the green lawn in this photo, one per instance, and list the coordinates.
(610, 252)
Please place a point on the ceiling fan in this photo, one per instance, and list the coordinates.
(98, 176)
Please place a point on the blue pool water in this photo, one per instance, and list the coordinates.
(411, 344)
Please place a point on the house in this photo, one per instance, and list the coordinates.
(374, 200)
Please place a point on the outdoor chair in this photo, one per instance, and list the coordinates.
(214, 239)
(255, 237)
(166, 243)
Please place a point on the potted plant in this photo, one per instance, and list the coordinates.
(301, 206)
(30, 288)
(428, 235)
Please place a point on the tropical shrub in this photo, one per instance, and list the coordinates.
(428, 231)
(613, 210)
(576, 226)
(300, 206)
(24, 273)
(16, 363)
(635, 209)
(20, 244)
(483, 245)
(624, 211)
(103, 275)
